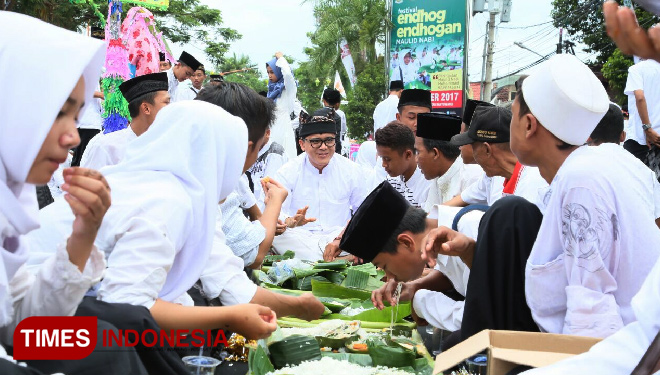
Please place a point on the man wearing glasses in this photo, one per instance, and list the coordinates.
(323, 189)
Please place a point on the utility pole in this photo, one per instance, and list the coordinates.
(483, 66)
(488, 85)
(560, 45)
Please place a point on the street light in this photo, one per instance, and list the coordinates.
(527, 48)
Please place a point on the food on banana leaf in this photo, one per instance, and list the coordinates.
(330, 366)
(258, 362)
(334, 304)
(383, 354)
(357, 346)
(335, 264)
(294, 350)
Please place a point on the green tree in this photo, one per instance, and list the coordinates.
(362, 100)
(615, 70)
(251, 78)
(186, 21)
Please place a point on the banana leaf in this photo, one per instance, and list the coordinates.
(375, 315)
(367, 267)
(288, 321)
(328, 289)
(333, 276)
(258, 362)
(334, 304)
(300, 273)
(294, 350)
(334, 265)
(333, 342)
(356, 279)
(305, 283)
(390, 356)
(270, 259)
(357, 359)
(422, 367)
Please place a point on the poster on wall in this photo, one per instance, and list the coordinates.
(427, 49)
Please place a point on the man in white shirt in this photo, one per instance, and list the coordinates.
(386, 110)
(332, 100)
(189, 91)
(395, 145)
(326, 185)
(146, 95)
(439, 161)
(489, 136)
(183, 70)
(642, 134)
(588, 258)
(468, 112)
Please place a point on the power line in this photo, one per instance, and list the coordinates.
(524, 27)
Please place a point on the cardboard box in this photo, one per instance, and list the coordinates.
(508, 349)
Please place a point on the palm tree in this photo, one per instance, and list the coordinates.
(235, 62)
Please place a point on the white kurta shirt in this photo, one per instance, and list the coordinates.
(457, 178)
(596, 245)
(107, 149)
(385, 112)
(644, 76)
(486, 190)
(330, 195)
(242, 236)
(271, 158)
(172, 84)
(415, 190)
(186, 92)
(620, 353)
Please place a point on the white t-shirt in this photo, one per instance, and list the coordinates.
(486, 190)
(415, 190)
(107, 149)
(91, 118)
(645, 76)
(596, 245)
(457, 178)
(385, 112)
(186, 91)
(172, 84)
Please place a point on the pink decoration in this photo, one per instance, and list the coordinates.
(116, 61)
(139, 29)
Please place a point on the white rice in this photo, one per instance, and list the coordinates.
(329, 366)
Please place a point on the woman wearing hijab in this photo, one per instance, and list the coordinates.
(32, 145)
(282, 90)
(366, 155)
(158, 234)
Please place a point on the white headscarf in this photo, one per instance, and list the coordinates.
(366, 155)
(55, 58)
(204, 147)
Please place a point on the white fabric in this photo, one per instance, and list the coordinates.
(56, 182)
(367, 155)
(385, 112)
(330, 195)
(415, 190)
(242, 236)
(91, 118)
(344, 128)
(172, 84)
(223, 276)
(186, 91)
(531, 186)
(457, 178)
(305, 244)
(565, 82)
(281, 131)
(644, 76)
(596, 245)
(621, 352)
(245, 195)
(107, 149)
(28, 44)
(486, 190)
(406, 73)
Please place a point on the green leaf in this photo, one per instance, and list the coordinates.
(356, 279)
(334, 304)
(328, 289)
(335, 264)
(258, 362)
(390, 356)
(294, 350)
(354, 358)
(375, 315)
(333, 276)
(370, 268)
(306, 282)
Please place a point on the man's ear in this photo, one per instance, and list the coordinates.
(409, 154)
(436, 153)
(302, 144)
(488, 149)
(406, 240)
(251, 145)
(622, 137)
(398, 116)
(144, 108)
(531, 125)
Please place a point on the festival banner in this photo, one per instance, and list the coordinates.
(427, 49)
(347, 60)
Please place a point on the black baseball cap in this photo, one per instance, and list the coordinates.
(489, 124)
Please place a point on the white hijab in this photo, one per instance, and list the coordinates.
(204, 147)
(366, 155)
(55, 59)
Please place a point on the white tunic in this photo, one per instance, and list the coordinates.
(596, 245)
(281, 129)
(172, 84)
(385, 112)
(486, 190)
(457, 178)
(242, 236)
(107, 149)
(330, 195)
(621, 352)
(645, 76)
(269, 161)
(186, 92)
(415, 190)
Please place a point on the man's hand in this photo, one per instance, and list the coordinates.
(278, 55)
(310, 307)
(331, 251)
(652, 138)
(623, 28)
(299, 219)
(280, 227)
(445, 241)
(386, 293)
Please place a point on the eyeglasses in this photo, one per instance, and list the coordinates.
(316, 142)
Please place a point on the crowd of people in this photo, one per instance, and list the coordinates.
(541, 215)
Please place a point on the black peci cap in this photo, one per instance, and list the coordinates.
(438, 126)
(416, 97)
(138, 86)
(489, 124)
(189, 60)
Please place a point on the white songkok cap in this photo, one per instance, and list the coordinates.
(566, 97)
